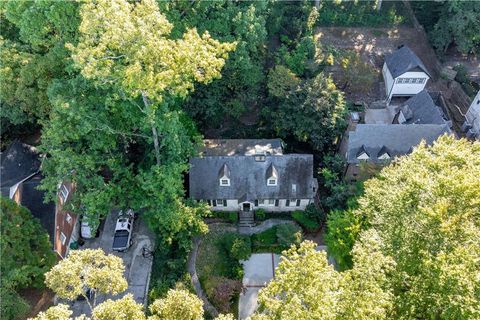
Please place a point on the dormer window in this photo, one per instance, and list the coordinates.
(224, 176)
(63, 193)
(260, 157)
(362, 154)
(383, 154)
(272, 175)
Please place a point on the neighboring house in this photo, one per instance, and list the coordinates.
(404, 73)
(420, 109)
(471, 126)
(378, 144)
(20, 177)
(248, 174)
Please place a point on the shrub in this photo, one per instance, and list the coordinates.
(313, 213)
(288, 234)
(241, 248)
(221, 292)
(265, 238)
(306, 222)
(232, 217)
(260, 214)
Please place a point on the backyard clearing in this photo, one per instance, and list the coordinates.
(372, 44)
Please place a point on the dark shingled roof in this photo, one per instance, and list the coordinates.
(18, 162)
(399, 139)
(32, 199)
(404, 60)
(248, 177)
(423, 109)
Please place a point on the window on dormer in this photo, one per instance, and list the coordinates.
(63, 193)
(272, 182)
(224, 182)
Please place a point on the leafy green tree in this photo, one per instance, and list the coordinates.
(425, 209)
(242, 81)
(457, 24)
(87, 269)
(314, 112)
(281, 81)
(307, 287)
(177, 305)
(33, 55)
(122, 309)
(359, 76)
(26, 255)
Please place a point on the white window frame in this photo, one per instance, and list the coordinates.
(259, 157)
(227, 184)
(68, 218)
(63, 193)
(271, 202)
(63, 238)
(271, 182)
(220, 202)
(261, 202)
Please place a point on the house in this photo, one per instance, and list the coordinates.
(378, 144)
(404, 74)
(20, 177)
(420, 109)
(249, 174)
(471, 126)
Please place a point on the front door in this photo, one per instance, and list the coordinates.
(246, 206)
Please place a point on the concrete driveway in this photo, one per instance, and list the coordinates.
(137, 268)
(258, 271)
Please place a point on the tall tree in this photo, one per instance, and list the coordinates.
(116, 130)
(307, 287)
(127, 45)
(34, 54)
(313, 112)
(458, 24)
(26, 255)
(240, 87)
(89, 268)
(426, 209)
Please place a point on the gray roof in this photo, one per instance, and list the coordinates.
(237, 147)
(17, 163)
(404, 60)
(397, 139)
(248, 178)
(423, 109)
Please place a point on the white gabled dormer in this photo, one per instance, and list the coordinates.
(362, 154)
(383, 154)
(224, 176)
(272, 176)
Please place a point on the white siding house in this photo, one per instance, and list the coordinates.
(471, 127)
(404, 74)
(245, 175)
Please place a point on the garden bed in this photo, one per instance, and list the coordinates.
(216, 271)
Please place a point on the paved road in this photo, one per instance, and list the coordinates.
(137, 268)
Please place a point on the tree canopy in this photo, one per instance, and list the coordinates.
(313, 112)
(425, 209)
(26, 255)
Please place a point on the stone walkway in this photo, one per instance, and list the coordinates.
(192, 260)
(267, 224)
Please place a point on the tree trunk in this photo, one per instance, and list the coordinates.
(379, 5)
(154, 129)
